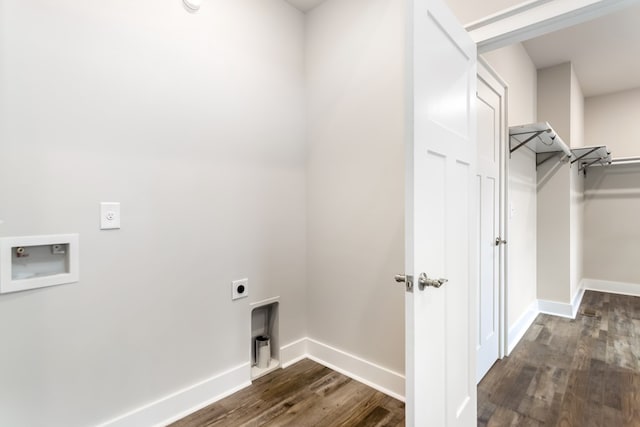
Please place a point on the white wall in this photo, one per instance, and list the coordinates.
(554, 99)
(576, 222)
(612, 229)
(612, 120)
(514, 65)
(554, 102)
(195, 123)
(356, 178)
(576, 204)
(554, 232)
(612, 194)
(560, 188)
(576, 111)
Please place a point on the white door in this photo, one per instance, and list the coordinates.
(441, 223)
(490, 130)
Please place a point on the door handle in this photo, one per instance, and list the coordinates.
(424, 282)
(499, 240)
(406, 279)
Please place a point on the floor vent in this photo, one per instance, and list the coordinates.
(590, 312)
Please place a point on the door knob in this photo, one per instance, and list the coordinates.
(499, 240)
(406, 279)
(424, 282)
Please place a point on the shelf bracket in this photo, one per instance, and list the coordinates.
(586, 165)
(531, 138)
(585, 155)
(546, 158)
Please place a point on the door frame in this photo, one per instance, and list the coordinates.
(514, 25)
(493, 79)
(537, 17)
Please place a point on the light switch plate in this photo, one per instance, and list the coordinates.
(109, 215)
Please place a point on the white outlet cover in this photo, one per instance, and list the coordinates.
(109, 215)
(239, 289)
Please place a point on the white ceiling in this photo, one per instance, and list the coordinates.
(605, 52)
(305, 5)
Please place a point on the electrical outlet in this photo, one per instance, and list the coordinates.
(239, 289)
(109, 216)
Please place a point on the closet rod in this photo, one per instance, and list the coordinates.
(626, 159)
(620, 161)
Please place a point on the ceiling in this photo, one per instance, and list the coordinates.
(605, 52)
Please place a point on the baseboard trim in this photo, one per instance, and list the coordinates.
(577, 300)
(382, 379)
(181, 403)
(186, 401)
(555, 308)
(520, 327)
(562, 309)
(293, 352)
(623, 288)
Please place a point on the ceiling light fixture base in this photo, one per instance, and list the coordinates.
(192, 5)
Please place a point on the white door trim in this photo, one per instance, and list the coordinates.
(537, 17)
(491, 77)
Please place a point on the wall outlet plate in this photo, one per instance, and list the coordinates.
(239, 289)
(109, 215)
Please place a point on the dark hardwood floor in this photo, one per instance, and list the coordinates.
(304, 394)
(582, 372)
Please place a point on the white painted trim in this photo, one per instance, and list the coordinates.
(488, 74)
(293, 352)
(186, 401)
(555, 308)
(562, 309)
(7, 246)
(264, 302)
(179, 404)
(537, 17)
(520, 327)
(623, 288)
(577, 299)
(375, 376)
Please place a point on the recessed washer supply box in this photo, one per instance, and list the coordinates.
(30, 262)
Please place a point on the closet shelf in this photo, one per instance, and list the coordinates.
(539, 138)
(590, 156)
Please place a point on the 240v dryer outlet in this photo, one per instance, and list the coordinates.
(239, 289)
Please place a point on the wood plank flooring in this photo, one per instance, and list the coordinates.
(564, 372)
(304, 394)
(583, 373)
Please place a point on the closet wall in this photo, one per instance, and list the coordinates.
(560, 189)
(612, 119)
(612, 195)
(612, 229)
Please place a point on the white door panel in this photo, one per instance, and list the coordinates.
(490, 103)
(441, 226)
